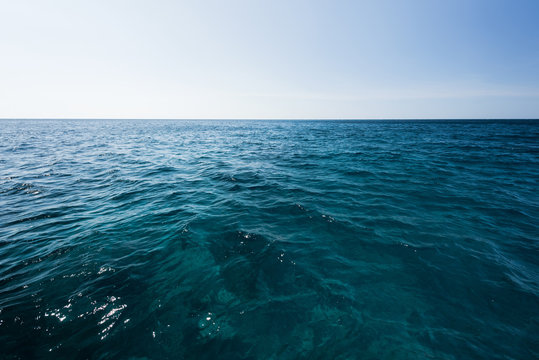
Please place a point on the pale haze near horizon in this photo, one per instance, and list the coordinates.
(269, 59)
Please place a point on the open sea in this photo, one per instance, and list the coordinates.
(164, 239)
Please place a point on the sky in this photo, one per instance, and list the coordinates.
(288, 59)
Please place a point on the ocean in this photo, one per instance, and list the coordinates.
(229, 239)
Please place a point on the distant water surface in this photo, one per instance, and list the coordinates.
(269, 239)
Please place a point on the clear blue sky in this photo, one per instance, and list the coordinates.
(269, 59)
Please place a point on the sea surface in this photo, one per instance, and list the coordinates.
(168, 239)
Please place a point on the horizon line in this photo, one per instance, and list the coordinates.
(273, 119)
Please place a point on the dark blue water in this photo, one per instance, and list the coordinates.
(269, 240)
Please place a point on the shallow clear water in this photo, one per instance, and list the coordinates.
(269, 239)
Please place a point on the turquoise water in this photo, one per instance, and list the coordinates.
(269, 239)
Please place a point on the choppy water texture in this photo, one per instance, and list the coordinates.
(269, 239)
